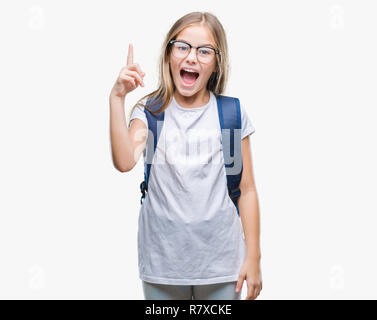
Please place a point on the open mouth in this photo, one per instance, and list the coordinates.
(188, 78)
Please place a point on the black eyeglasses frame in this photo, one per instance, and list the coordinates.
(217, 51)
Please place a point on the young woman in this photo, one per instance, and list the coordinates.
(192, 242)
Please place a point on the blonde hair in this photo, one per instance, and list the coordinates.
(216, 83)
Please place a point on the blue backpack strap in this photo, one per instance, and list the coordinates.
(230, 120)
(155, 122)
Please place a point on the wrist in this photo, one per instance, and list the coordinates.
(116, 98)
(254, 256)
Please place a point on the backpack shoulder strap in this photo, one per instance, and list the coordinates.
(155, 123)
(230, 122)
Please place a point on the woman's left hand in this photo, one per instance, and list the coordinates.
(250, 272)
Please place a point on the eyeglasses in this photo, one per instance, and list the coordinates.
(204, 54)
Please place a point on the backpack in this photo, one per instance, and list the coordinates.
(230, 123)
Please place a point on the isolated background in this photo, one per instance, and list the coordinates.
(304, 70)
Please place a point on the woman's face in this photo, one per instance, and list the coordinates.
(196, 36)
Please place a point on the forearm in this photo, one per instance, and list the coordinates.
(249, 212)
(121, 144)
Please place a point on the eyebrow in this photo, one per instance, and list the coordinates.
(201, 45)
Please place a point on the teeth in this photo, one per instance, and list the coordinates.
(188, 70)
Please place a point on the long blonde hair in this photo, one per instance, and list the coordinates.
(216, 83)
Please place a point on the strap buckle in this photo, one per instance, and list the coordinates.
(143, 189)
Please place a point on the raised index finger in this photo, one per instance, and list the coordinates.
(130, 56)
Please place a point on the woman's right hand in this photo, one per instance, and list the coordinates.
(129, 77)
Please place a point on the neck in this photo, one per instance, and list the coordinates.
(198, 99)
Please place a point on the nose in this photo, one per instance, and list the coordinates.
(192, 55)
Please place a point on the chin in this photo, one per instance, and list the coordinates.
(187, 92)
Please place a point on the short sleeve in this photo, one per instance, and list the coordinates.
(139, 113)
(247, 127)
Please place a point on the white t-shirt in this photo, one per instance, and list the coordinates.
(189, 230)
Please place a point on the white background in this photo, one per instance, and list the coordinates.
(304, 70)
